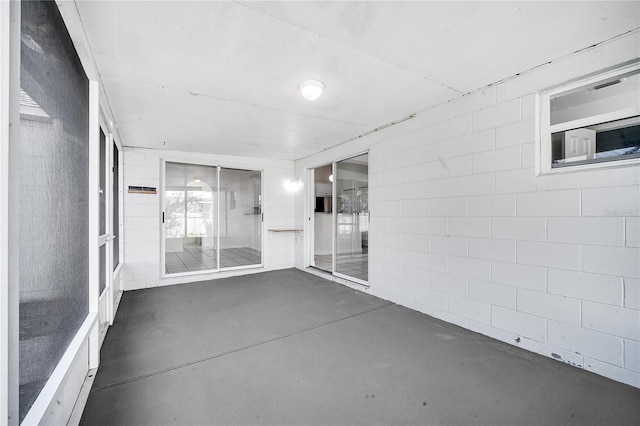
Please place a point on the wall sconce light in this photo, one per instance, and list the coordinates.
(311, 89)
(293, 184)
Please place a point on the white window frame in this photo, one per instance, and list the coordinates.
(545, 129)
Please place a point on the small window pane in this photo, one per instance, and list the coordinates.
(175, 214)
(615, 140)
(605, 96)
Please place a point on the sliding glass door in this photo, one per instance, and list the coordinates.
(212, 218)
(351, 218)
(190, 199)
(240, 218)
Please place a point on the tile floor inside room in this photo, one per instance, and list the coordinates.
(356, 265)
(288, 347)
(196, 258)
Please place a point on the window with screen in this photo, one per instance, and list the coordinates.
(54, 191)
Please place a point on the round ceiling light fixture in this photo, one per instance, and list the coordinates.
(311, 89)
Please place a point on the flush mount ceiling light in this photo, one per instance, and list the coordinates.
(311, 89)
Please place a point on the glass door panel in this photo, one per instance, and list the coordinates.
(323, 218)
(351, 184)
(190, 197)
(115, 197)
(240, 218)
(102, 197)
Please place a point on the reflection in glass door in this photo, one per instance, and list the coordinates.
(322, 246)
(240, 218)
(351, 178)
(212, 218)
(189, 218)
(103, 237)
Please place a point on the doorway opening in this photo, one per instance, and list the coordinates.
(340, 218)
(323, 218)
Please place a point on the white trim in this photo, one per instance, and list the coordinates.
(117, 270)
(262, 198)
(9, 236)
(539, 154)
(595, 119)
(116, 303)
(309, 227)
(334, 215)
(108, 192)
(5, 105)
(217, 218)
(544, 129)
(348, 157)
(216, 275)
(241, 267)
(544, 140)
(120, 205)
(113, 276)
(352, 279)
(54, 384)
(163, 165)
(103, 320)
(94, 209)
(336, 279)
(593, 78)
(334, 257)
(81, 402)
(614, 163)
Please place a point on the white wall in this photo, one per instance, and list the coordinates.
(462, 229)
(142, 214)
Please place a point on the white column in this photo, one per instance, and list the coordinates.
(9, 189)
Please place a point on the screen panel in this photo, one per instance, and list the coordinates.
(53, 204)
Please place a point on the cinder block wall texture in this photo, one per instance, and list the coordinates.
(463, 229)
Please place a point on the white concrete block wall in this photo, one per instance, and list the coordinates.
(463, 229)
(142, 249)
(141, 234)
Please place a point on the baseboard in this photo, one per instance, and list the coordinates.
(83, 397)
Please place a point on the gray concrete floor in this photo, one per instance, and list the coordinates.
(287, 347)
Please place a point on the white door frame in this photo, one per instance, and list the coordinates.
(218, 167)
(309, 227)
(116, 290)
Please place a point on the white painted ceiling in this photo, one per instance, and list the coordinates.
(221, 77)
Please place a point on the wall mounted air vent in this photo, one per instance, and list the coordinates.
(142, 190)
